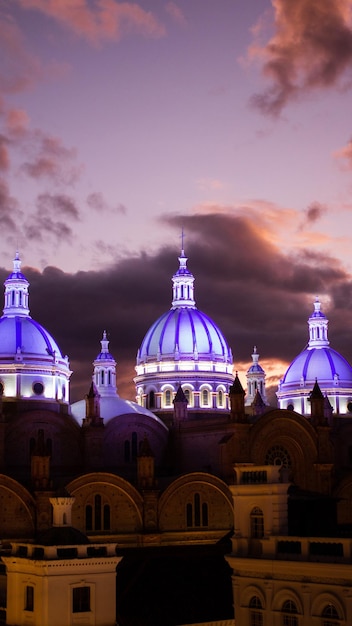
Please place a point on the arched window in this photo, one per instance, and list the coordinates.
(220, 398)
(97, 514)
(151, 400)
(102, 377)
(255, 612)
(330, 616)
(168, 397)
(289, 614)
(187, 394)
(134, 446)
(197, 512)
(127, 451)
(257, 523)
(205, 397)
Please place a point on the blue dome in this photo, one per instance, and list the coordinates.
(184, 333)
(317, 363)
(23, 334)
(322, 364)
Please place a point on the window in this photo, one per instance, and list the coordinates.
(255, 612)
(151, 400)
(168, 397)
(97, 515)
(80, 599)
(220, 398)
(257, 523)
(197, 512)
(289, 614)
(330, 616)
(278, 455)
(205, 397)
(29, 598)
(187, 395)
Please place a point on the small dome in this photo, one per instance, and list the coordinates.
(322, 364)
(113, 406)
(31, 363)
(317, 362)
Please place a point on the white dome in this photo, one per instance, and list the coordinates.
(317, 363)
(111, 407)
(31, 363)
(184, 347)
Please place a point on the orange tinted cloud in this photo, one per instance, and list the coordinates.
(106, 19)
(311, 48)
(344, 155)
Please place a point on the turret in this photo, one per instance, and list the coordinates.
(236, 395)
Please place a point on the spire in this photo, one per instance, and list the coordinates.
(183, 290)
(255, 380)
(16, 291)
(318, 327)
(104, 376)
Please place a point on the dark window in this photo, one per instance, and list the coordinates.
(38, 388)
(127, 451)
(197, 512)
(168, 397)
(257, 523)
(330, 616)
(80, 599)
(98, 515)
(134, 446)
(151, 400)
(97, 512)
(289, 614)
(29, 599)
(255, 612)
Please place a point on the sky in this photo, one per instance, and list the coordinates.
(122, 123)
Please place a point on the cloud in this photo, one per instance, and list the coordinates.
(311, 48)
(52, 218)
(49, 158)
(97, 202)
(209, 184)
(256, 293)
(344, 156)
(101, 20)
(313, 213)
(4, 154)
(176, 13)
(10, 214)
(19, 69)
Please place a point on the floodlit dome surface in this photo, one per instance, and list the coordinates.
(184, 333)
(323, 364)
(26, 335)
(113, 406)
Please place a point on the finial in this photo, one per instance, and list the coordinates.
(182, 242)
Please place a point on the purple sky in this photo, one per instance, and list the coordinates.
(123, 122)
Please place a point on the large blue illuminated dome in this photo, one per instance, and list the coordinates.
(184, 347)
(318, 362)
(31, 363)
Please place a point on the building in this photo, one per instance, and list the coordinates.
(151, 495)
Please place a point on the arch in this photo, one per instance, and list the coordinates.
(287, 594)
(257, 523)
(252, 591)
(321, 601)
(196, 500)
(105, 500)
(17, 509)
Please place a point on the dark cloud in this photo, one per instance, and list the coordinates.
(97, 202)
(52, 217)
(10, 214)
(254, 292)
(311, 48)
(314, 212)
(50, 159)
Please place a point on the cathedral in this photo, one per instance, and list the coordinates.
(196, 503)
